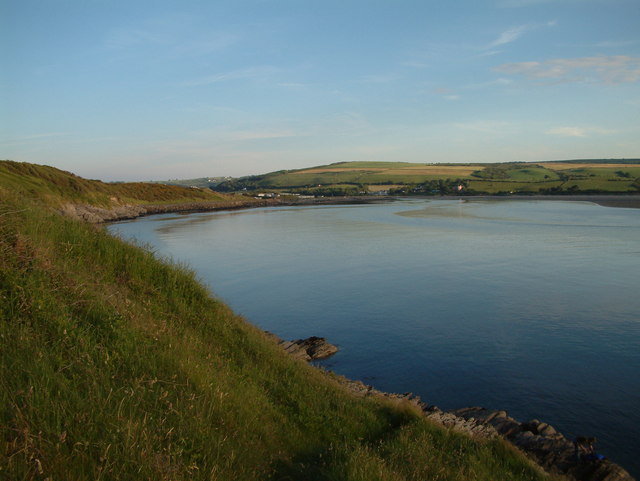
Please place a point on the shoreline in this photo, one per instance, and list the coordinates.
(100, 215)
(549, 449)
(546, 447)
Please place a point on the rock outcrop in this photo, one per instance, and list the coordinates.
(309, 349)
(541, 442)
(116, 212)
(96, 215)
(549, 448)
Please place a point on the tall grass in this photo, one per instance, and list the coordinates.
(52, 186)
(116, 365)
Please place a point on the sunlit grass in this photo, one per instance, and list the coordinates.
(115, 364)
(55, 187)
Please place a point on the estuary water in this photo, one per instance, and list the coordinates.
(528, 306)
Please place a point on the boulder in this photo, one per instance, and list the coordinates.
(309, 349)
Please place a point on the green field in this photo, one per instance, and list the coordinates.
(587, 176)
(118, 365)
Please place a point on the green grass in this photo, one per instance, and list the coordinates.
(54, 187)
(117, 365)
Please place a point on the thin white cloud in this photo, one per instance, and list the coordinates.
(490, 53)
(380, 78)
(609, 70)
(31, 138)
(247, 73)
(509, 35)
(616, 43)
(514, 33)
(572, 131)
(486, 127)
(499, 82)
(176, 35)
(124, 38)
(521, 3)
(248, 135)
(528, 3)
(447, 93)
(568, 132)
(294, 85)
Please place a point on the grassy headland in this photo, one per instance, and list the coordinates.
(54, 187)
(117, 365)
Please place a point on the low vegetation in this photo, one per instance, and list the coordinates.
(53, 187)
(118, 365)
(354, 178)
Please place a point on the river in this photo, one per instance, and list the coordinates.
(528, 306)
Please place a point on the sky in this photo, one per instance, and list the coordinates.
(156, 90)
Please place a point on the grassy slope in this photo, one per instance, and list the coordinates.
(117, 365)
(52, 186)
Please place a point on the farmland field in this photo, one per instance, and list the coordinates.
(347, 178)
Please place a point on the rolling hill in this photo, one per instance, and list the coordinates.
(357, 178)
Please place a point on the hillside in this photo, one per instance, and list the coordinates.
(354, 178)
(96, 201)
(117, 365)
(55, 187)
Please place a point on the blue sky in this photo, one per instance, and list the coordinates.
(142, 90)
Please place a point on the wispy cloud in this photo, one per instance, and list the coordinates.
(609, 70)
(260, 72)
(499, 82)
(32, 138)
(177, 35)
(447, 93)
(528, 3)
(568, 131)
(380, 78)
(509, 35)
(249, 135)
(486, 127)
(124, 38)
(617, 43)
(573, 131)
(514, 33)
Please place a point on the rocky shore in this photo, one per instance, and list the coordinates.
(542, 443)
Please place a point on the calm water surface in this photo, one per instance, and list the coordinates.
(528, 306)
